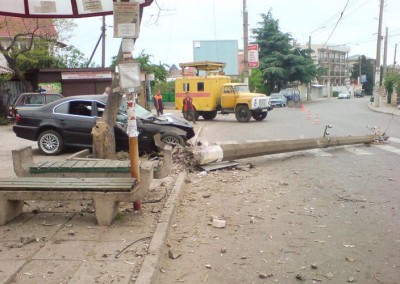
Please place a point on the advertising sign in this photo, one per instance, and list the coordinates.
(253, 56)
(126, 19)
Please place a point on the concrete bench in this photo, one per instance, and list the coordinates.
(79, 165)
(106, 193)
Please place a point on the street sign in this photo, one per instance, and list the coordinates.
(253, 56)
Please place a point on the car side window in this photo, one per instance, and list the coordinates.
(99, 109)
(63, 108)
(83, 108)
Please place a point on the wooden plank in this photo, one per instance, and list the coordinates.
(69, 164)
(89, 164)
(85, 166)
(68, 184)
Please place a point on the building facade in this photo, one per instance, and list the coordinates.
(334, 60)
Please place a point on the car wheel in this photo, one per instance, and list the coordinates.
(172, 139)
(243, 114)
(50, 142)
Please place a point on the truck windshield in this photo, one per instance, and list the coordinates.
(241, 89)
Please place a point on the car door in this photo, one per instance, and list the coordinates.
(76, 118)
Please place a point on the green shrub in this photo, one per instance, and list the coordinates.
(335, 94)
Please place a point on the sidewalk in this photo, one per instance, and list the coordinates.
(384, 107)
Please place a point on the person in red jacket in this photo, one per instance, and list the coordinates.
(158, 103)
(188, 108)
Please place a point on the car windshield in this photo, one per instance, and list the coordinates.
(275, 96)
(241, 89)
(140, 111)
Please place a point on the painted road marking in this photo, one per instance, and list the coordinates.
(388, 148)
(356, 151)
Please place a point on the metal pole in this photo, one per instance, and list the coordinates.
(378, 57)
(245, 44)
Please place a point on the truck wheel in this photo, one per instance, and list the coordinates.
(259, 115)
(209, 115)
(243, 114)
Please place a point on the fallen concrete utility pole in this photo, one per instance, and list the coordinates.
(246, 149)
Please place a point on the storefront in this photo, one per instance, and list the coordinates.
(71, 82)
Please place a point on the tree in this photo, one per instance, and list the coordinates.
(368, 69)
(72, 57)
(280, 62)
(4, 93)
(392, 84)
(24, 35)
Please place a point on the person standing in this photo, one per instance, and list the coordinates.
(158, 103)
(107, 91)
(188, 108)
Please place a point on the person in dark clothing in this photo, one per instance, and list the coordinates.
(158, 103)
(188, 108)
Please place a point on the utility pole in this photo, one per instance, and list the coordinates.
(329, 74)
(245, 44)
(385, 54)
(378, 57)
(359, 70)
(394, 60)
(309, 83)
(103, 43)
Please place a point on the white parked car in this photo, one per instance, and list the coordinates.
(344, 95)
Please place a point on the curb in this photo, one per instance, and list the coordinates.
(150, 267)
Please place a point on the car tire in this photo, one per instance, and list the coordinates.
(172, 139)
(50, 142)
(243, 114)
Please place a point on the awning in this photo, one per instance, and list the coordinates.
(59, 8)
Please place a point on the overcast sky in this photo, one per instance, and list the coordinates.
(168, 31)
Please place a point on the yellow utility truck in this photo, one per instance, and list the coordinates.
(213, 92)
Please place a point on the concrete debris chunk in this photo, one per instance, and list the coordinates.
(173, 254)
(218, 223)
(265, 275)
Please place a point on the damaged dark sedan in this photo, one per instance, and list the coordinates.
(68, 122)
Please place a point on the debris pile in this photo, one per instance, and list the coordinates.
(183, 160)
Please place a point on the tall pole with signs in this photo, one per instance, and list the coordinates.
(126, 26)
(245, 43)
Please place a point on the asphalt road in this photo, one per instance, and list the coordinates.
(321, 216)
(348, 117)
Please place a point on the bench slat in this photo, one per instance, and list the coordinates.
(68, 184)
(81, 166)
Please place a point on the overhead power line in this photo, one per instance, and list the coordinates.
(341, 15)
